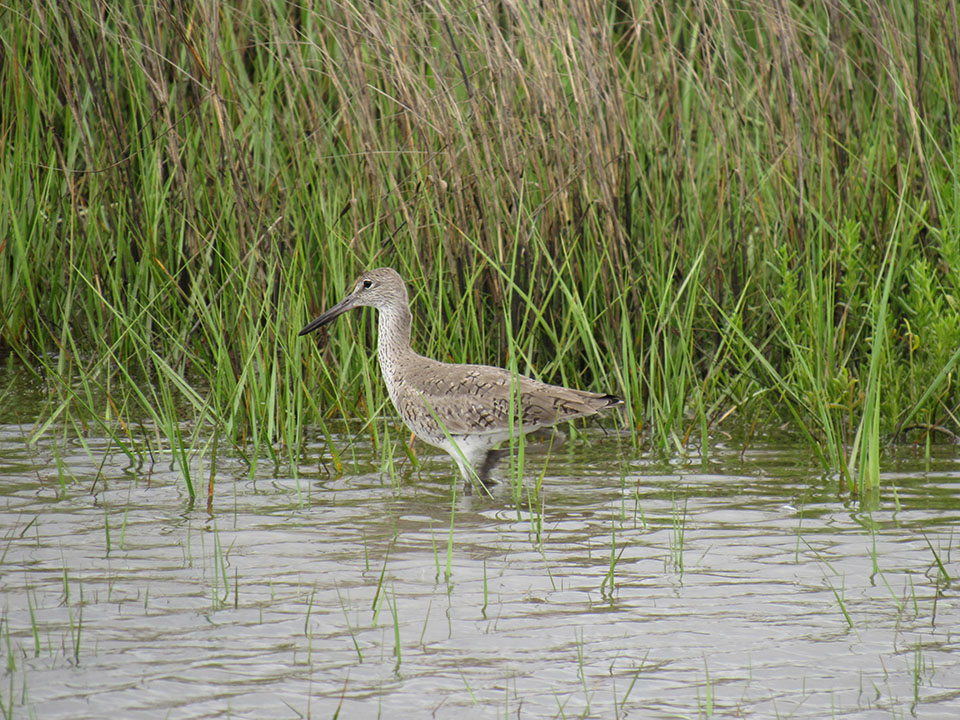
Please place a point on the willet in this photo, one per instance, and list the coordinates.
(462, 409)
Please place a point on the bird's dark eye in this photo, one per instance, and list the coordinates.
(367, 284)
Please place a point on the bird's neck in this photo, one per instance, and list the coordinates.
(393, 342)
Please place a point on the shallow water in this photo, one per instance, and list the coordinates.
(744, 586)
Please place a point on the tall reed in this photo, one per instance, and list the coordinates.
(737, 215)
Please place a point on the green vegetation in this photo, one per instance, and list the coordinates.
(737, 215)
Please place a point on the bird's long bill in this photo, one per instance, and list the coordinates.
(334, 312)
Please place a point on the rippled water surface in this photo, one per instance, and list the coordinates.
(748, 585)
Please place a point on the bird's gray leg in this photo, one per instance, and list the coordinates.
(487, 465)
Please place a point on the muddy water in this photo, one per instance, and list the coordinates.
(744, 586)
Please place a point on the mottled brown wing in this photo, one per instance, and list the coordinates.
(471, 399)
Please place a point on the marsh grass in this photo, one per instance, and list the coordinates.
(735, 215)
(839, 595)
(397, 645)
(706, 703)
(346, 617)
(678, 534)
(943, 577)
(620, 707)
(608, 584)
